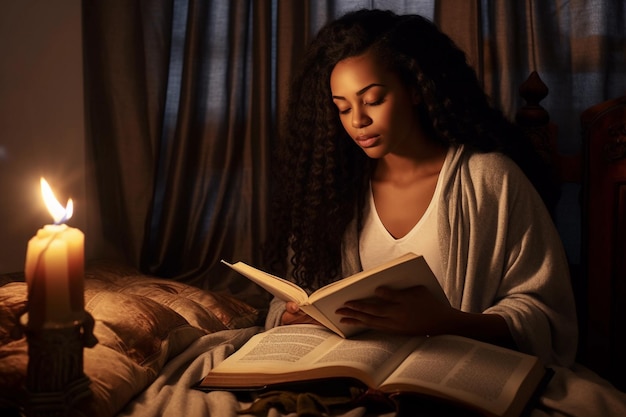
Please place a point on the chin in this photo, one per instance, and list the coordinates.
(374, 152)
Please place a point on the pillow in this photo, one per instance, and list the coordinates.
(200, 307)
(141, 322)
(13, 347)
(203, 309)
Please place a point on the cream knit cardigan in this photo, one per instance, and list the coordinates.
(501, 254)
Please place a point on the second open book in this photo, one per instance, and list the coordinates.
(477, 376)
(406, 271)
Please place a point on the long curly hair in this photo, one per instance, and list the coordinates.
(321, 176)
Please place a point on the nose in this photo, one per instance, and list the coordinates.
(360, 119)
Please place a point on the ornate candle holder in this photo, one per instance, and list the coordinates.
(55, 379)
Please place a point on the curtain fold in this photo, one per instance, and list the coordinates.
(125, 78)
(183, 98)
(578, 47)
(211, 174)
(462, 22)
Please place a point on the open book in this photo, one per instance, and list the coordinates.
(406, 271)
(478, 376)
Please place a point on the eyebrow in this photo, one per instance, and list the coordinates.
(361, 91)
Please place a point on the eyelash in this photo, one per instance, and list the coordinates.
(373, 103)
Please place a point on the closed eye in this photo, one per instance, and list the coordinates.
(376, 103)
(371, 104)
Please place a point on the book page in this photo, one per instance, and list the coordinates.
(378, 354)
(281, 346)
(278, 287)
(471, 371)
(404, 272)
(305, 352)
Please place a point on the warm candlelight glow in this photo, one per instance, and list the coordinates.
(55, 267)
(59, 213)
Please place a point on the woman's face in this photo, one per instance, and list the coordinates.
(375, 107)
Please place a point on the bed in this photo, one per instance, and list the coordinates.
(142, 324)
(157, 338)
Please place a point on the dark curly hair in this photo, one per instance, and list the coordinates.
(322, 176)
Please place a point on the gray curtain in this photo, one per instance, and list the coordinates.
(180, 113)
(578, 47)
(126, 60)
(183, 99)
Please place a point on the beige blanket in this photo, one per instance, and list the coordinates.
(576, 392)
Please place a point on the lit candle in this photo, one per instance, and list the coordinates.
(55, 267)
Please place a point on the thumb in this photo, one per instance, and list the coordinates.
(386, 293)
(292, 307)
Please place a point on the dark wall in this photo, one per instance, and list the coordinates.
(41, 119)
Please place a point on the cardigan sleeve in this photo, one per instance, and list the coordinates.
(504, 256)
(535, 296)
(274, 313)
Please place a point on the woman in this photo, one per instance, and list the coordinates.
(391, 146)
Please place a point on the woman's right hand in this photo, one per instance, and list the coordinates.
(293, 315)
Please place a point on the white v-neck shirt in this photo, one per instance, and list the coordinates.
(377, 245)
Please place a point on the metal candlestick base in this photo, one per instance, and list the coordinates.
(55, 378)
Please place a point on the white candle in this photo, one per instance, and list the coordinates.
(55, 267)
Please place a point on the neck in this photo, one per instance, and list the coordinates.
(424, 159)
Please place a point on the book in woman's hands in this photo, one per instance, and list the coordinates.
(470, 374)
(406, 271)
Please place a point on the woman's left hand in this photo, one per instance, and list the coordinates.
(413, 311)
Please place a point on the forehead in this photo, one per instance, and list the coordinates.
(351, 74)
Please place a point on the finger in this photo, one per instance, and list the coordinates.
(289, 318)
(370, 307)
(392, 296)
(362, 319)
(387, 294)
(362, 316)
(292, 307)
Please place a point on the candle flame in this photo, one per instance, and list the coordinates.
(59, 213)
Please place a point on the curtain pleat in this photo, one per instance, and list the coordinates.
(125, 48)
(211, 191)
(462, 22)
(578, 47)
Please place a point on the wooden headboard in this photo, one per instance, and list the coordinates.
(543, 133)
(535, 121)
(604, 236)
(562, 169)
(599, 280)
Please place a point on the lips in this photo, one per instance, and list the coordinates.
(366, 141)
